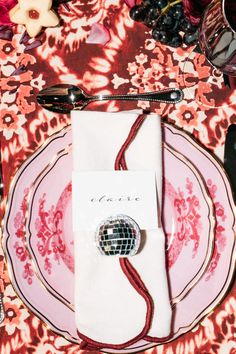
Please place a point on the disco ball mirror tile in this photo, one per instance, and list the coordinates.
(118, 236)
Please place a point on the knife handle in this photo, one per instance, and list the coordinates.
(230, 157)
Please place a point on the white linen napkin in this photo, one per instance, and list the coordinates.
(109, 310)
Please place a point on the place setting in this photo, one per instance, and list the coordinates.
(39, 240)
(119, 229)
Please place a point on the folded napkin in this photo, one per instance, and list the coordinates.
(119, 300)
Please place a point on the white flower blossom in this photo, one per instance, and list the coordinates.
(34, 14)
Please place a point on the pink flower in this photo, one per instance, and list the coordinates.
(5, 7)
(194, 9)
(99, 34)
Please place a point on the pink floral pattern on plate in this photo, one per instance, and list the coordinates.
(187, 208)
(188, 218)
(49, 234)
(49, 227)
(222, 274)
(220, 236)
(35, 297)
(19, 245)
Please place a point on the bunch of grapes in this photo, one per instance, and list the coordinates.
(167, 21)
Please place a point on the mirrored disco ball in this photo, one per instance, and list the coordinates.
(118, 236)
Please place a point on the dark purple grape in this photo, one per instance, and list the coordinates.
(168, 21)
(190, 38)
(160, 35)
(138, 13)
(156, 34)
(149, 22)
(175, 41)
(160, 26)
(177, 12)
(161, 3)
(153, 13)
(187, 26)
(165, 37)
(176, 26)
(151, 18)
(178, 7)
(151, 3)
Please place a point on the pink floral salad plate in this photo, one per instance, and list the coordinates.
(198, 218)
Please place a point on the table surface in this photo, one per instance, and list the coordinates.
(130, 62)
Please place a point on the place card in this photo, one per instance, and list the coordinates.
(97, 195)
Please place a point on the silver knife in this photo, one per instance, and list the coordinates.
(230, 157)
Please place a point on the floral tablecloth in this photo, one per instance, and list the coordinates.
(131, 61)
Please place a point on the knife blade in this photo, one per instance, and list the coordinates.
(230, 157)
